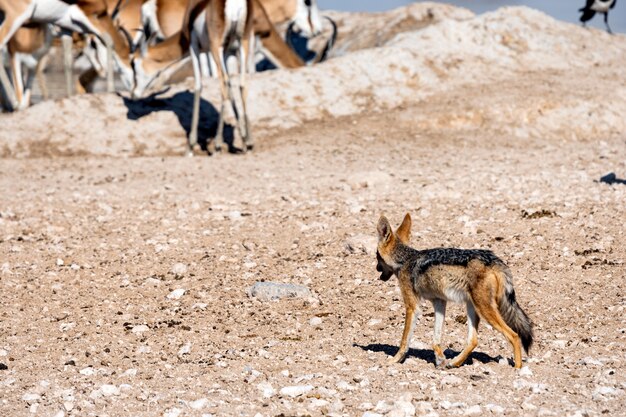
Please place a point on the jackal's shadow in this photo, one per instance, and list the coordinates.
(427, 354)
(181, 104)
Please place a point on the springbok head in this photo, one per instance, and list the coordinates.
(307, 19)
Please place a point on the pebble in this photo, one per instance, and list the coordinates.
(296, 390)
(525, 371)
(109, 390)
(179, 269)
(176, 294)
(140, 329)
(315, 321)
(31, 397)
(60, 262)
(451, 380)
(87, 371)
(374, 322)
(495, 409)
(172, 412)
(267, 291)
(199, 404)
(185, 349)
(371, 414)
(267, 389)
(473, 410)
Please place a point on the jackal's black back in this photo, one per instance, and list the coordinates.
(452, 256)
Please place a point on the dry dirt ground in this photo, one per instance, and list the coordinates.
(92, 247)
(124, 278)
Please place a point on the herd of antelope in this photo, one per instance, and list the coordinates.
(146, 41)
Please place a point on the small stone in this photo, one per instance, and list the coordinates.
(267, 389)
(31, 397)
(525, 371)
(473, 410)
(267, 291)
(199, 404)
(66, 326)
(315, 321)
(296, 391)
(371, 414)
(374, 322)
(109, 390)
(179, 269)
(495, 409)
(176, 294)
(68, 405)
(141, 328)
(402, 408)
(60, 262)
(317, 403)
(172, 412)
(451, 380)
(185, 349)
(87, 371)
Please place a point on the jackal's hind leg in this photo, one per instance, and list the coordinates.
(488, 310)
(472, 339)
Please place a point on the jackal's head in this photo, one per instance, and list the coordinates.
(388, 243)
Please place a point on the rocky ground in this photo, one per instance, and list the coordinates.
(125, 270)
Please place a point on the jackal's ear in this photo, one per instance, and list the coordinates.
(384, 230)
(404, 231)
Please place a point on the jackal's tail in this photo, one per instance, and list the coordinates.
(513, 314)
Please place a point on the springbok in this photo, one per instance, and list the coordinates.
(231, 24)
(26, 49)
(303, 14)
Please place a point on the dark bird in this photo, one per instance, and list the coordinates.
(597, 6)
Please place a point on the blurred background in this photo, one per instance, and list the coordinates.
(566, 10)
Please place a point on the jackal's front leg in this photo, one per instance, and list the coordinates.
(409, 324)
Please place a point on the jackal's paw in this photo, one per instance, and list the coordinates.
(442, 363)
(395, 359)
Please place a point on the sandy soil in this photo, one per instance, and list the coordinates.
(95, 250)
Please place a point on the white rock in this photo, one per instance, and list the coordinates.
(130, 372)
(109, 390)
(296, 390)
(374, 322)
(317, 403)
(140, 328)
(185, 349)
(452, 380)
(31, 397)
(402, 408)
(199, 404)
(87, 371)
(315, 321)
(525, 371)
(176, 294)
(3, 352)
(495, 409)
(60, 262)
(602, 390)
(66, 326)
(267, 389)
(473, 410)
(172, 412)
(68, 405)
(345, 386)
(384, 406)
(179, 269)
(371, 414)
(59, 413)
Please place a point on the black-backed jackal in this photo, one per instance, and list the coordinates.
(477, 278)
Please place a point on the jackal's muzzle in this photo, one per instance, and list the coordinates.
(383, 268)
